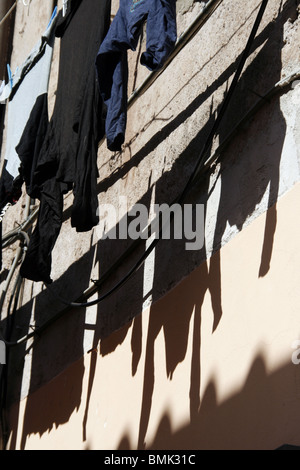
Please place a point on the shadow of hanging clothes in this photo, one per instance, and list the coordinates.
(173, 312)
(62, 342)
(251, 171)
(243, 186)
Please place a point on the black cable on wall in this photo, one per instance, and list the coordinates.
(200, 164)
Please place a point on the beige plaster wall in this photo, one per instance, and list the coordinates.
(171, 380)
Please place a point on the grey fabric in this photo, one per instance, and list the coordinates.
(29, 82)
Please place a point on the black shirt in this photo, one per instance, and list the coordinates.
(68, 157)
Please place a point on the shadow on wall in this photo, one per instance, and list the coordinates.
(245, 175)
(246, 172)
(254, 418)
(61, 345)
(262, 415)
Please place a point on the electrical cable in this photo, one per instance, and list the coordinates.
(21, 250)
(13, 235)
(16, 261)
(13, 301)
(206, 12)
(186, 36)
(210, 7)
(280, 86)
(277, 88)
(200, 160)
(10, 316)
(200, 163)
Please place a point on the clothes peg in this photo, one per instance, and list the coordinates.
(64, 8)
(52, 17)
(10, 80)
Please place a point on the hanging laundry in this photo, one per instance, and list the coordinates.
(68, 157)
(26, 90)
(111, 61)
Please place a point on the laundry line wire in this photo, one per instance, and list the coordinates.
(277, 89)
(200, 163)
(181, 197)
(184, 38)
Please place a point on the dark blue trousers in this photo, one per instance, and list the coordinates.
(111, 61)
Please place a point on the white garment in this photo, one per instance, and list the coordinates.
(30, 81)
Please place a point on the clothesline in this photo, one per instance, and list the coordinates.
(188, 34)
(184, 38)
(264, 99)
(199, 164)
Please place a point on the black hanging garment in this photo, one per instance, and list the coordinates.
(68, 158)
(26, 96)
